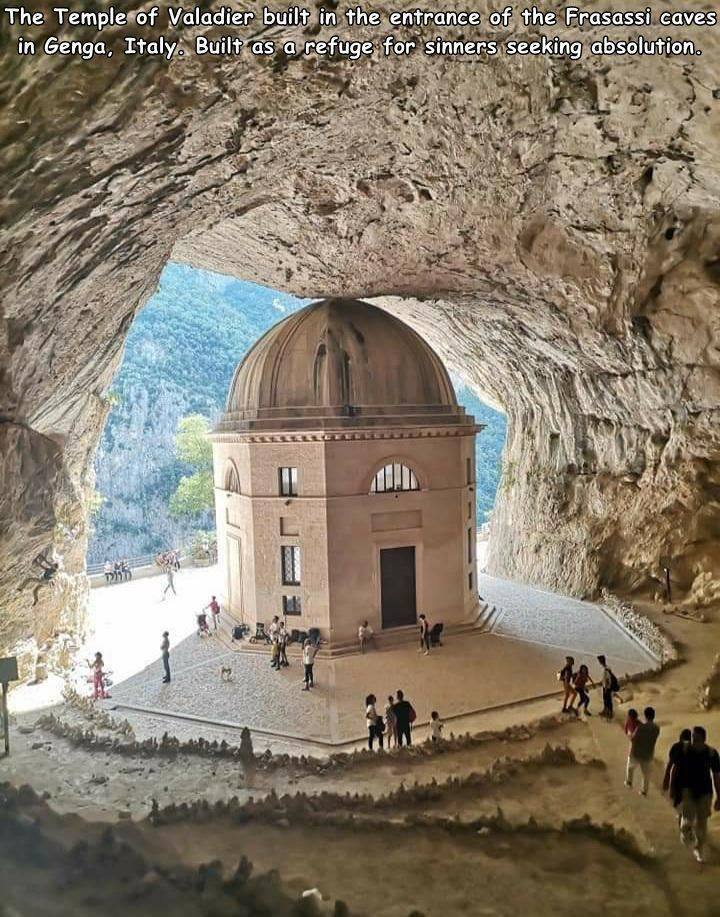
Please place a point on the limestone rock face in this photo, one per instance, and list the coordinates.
(551, 226)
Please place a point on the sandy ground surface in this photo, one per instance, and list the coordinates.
(391, 871)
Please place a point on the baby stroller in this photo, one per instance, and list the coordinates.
(435, 633)
(261, 635)
(202, 623)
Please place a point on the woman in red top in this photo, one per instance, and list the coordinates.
(631, 723)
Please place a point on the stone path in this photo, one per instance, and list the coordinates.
(546, 618)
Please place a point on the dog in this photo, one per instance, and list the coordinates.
(225, 673)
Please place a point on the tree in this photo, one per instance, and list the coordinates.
(195, 493)
(191, 442)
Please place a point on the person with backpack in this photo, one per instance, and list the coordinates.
(404, 718)
(610, 686)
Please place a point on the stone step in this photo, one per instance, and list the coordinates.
(384, 640)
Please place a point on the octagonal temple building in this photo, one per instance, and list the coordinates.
(344, 476)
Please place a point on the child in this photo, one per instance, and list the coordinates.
(631, 723)
(436, 726)
(275, 654)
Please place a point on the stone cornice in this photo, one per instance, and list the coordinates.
(345, 435)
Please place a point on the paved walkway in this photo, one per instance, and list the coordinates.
(464, 679)
(555, 620)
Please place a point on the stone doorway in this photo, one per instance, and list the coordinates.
(397, 587)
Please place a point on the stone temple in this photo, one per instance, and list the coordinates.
(344, 475)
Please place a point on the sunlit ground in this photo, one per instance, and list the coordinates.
(126, 622)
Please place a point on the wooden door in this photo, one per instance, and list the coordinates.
(397, 587)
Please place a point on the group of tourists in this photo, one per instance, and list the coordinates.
(168, 559)
(279, 637)
(397, 722)
(576, 685)
(117, 571)
(692, 772)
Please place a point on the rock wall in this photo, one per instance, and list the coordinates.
(551, 226)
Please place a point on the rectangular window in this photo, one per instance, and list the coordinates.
(470, 546)
(469, 509)
(468, 470)
(288, 482)
(470, 581)
(291, 605)
(290, 558)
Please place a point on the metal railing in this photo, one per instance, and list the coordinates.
(144, 560)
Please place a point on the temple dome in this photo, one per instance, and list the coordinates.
(339, 358)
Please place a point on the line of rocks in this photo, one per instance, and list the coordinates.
(279, 810)
(170, 746)
(321, 811)
(110, 869)
(709, 694)
(642, 629)
(99, 717)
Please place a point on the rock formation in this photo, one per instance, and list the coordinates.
(551, 226)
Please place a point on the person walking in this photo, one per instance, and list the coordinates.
(631, 723)
(165, 651)
(404, 718)
(610, 686)
(373, 721)
(390, 723)
(694, 774)
(674, 778)
(170, 576)
(642, 749)
(424, 635)
(309, 650)
(580, 682)
(214, 607)
(566, 676)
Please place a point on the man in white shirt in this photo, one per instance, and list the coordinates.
(309, 650)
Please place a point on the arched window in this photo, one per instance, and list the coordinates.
(394, 477)
(232, 481)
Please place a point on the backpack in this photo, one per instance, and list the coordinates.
(412, 716)
(614, 683)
